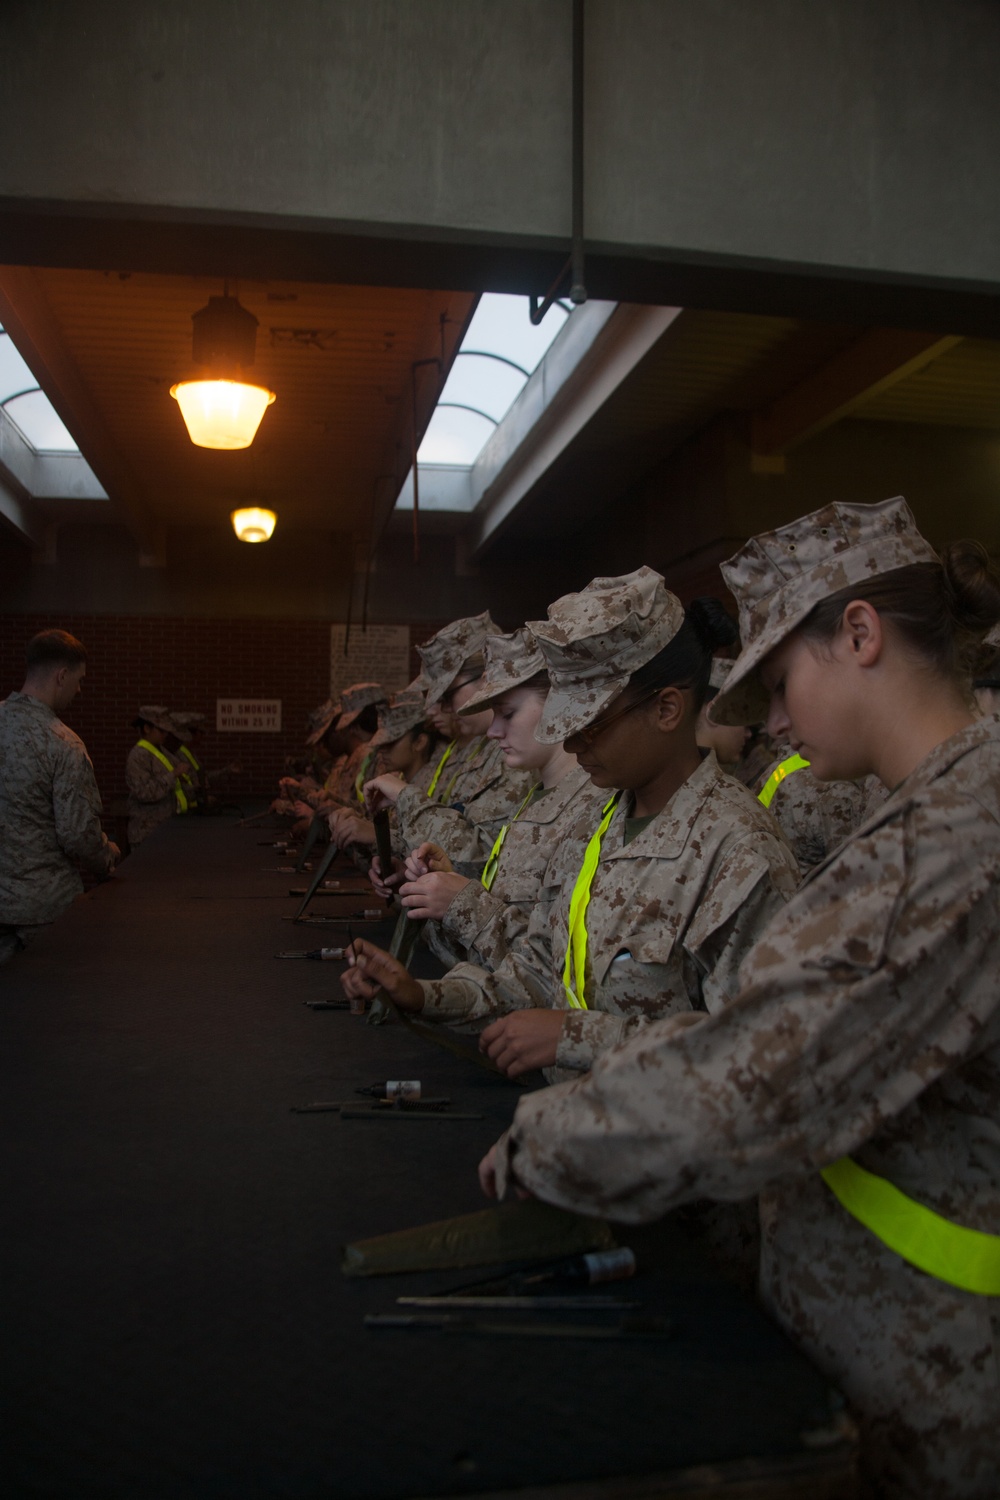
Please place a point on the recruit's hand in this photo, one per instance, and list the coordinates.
(386, 885)
(425, 858)
(523, 1040)
(346, 827)
(382, 791)
(371, 969)
(488, 1173)
(302, 809)
(431, 895)
(289, 784)
(116, 855)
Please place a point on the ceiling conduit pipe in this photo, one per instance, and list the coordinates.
(573, 267)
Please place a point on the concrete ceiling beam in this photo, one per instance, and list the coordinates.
(17, 514)
(599, 347)
(879, 359)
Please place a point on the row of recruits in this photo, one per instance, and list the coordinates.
(719, 1031)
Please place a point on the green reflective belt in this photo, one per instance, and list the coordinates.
(962, 1257)
(182, 801)
(443, 799)
(490, 869)
(766, 794)
(575, 965)
(439, 768)
(362, 776)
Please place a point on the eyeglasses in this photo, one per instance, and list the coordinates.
(594, 731)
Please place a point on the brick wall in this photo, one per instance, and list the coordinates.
(188, 663)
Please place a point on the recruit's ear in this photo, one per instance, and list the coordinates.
(669, 707)
(862, 632)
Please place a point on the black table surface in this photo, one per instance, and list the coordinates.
(176, 1323)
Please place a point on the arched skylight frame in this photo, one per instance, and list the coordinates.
(500, 350)
(27, 407)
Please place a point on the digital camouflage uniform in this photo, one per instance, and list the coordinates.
(476, 793)
(151, 795)
(672, 914)
(672, 911)
(868, 1023)
(482, 795)
(483, 924)
(817, 816)
(479, 924)
(50, 818)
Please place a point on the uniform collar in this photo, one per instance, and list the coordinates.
(667, 835)
(35, 705)
(546, 809)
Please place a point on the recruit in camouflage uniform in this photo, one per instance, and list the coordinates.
(480, 924)
(50, 817)
(152, 798)
(341, 783)
(476, 794)
(674, 909)
(868, 1023)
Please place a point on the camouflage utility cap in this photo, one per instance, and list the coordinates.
(445, 654)
(155, 713)
(592, 642)
(186, 723)
(780, 576)
(320, 719)
(511, 661)
(355, 699)
(401, 714)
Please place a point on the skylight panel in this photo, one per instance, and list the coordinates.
(27, 405)
(500, 350)
(35, 419)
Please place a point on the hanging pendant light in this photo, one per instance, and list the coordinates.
(222, 411)
(253, 524)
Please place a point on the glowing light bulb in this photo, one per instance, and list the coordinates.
(221, 413)
(253, 524)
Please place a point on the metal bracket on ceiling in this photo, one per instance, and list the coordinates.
(573, 268)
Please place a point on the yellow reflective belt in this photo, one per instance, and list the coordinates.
(439, 768)
(766, 794)
(962, 1257)
(189, 755)
(451, 785)
(575, 965)
(359, 780)
(490, 869)
(182, 801)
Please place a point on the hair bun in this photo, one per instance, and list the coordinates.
(973, 587)
(715, 627)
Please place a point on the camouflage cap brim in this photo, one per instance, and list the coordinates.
(321, 720)
(779, 577)
(568, 709)
(511, 661)
(355, 699)
(403, 713)
(445, 654)
(159, 716)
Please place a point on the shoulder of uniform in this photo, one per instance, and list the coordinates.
(67, 736)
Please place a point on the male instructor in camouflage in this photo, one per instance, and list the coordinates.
(50, 808)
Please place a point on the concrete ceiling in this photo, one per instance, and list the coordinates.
(107, 346)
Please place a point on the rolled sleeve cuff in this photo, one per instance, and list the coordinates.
(447, 999)
(586, 1035)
